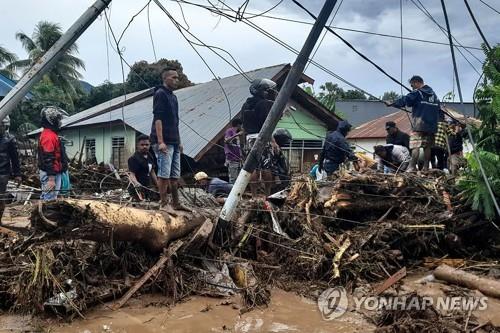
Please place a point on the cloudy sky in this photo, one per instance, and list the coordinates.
(253, 50)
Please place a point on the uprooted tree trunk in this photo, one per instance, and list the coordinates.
(105, 222)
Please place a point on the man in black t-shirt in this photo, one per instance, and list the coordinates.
(141, 167)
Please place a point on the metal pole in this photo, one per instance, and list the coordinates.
(49, 59)
(477, 25)
(228, 211)
(469, 133)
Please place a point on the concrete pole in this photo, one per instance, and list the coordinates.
(228, 211)
(47, 61)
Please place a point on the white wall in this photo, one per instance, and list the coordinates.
(102, 135)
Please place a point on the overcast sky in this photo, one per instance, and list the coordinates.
(253, 50)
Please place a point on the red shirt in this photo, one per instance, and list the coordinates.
(49, 143)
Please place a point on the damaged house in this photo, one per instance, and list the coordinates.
(107, 132)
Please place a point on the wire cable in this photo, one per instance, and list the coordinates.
(354, 49)
(477, 25)
(489, 6)
(151, 34)
(324, 35)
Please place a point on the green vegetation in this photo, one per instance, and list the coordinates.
(487, 138)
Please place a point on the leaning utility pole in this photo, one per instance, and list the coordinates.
(251, 163)
(47, 61)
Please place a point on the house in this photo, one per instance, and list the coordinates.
(107, 132)
(373, 133)
(358, 112)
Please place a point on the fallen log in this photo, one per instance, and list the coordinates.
(106, 222)
(449, 274)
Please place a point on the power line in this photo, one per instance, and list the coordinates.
(324, 35)
(354, 49)
(429, 15)
(489, 6)
(477, 25)
(284, 19)
(151, 34)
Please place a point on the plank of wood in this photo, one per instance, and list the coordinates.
(391, 281)
(172, 248)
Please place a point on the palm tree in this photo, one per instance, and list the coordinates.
(65, 73)
(6, 58)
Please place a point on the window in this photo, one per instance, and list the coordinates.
(90, 149)
(118, 158)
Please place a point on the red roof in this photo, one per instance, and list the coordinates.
(375, 129)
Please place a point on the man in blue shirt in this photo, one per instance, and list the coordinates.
(425, 111)
(166, 139)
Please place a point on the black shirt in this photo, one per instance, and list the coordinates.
(255, 111)
(400, 139)
(166, 109)
(141, 165)
(9, 159)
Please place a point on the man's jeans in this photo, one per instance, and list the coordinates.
(233, 169)
(49, 195)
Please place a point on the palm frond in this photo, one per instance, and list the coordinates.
(27, 42)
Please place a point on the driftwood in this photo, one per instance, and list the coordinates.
(152, 271)
(105, 222)
(449, 274)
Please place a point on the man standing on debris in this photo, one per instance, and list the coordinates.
(166, 138)
(336, 149)
(392, 158)
(232, 149)
(141, 167)
(254, 112)
(425, 113)
(51, 157)
(9, 161)
(395, 136)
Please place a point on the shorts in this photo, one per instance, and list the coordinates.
(169, 163)
(421, 140)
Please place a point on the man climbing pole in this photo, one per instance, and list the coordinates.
(425, 113)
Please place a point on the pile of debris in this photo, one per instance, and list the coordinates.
(356, 230)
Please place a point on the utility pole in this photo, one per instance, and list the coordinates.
(227, 213)
(47, 61)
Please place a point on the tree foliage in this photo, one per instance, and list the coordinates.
(144, 75)
(65, 73)
(6, 58)
(487, 138)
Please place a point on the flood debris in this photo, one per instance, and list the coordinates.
(357, 231)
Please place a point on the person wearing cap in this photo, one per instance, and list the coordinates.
(425, 110)
(395, 136)
(9, 161)
(391, 158)
(213, 185)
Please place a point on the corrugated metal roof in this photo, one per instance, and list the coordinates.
(375, 129)
(358, 112)
(203, 109)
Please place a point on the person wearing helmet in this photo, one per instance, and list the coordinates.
(51, 160)
(9, 161)
(254, 113)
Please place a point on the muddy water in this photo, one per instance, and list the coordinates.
(286, 313)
